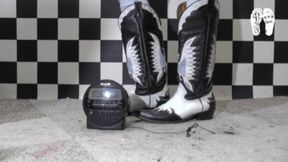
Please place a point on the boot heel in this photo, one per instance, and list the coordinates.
(206, 115)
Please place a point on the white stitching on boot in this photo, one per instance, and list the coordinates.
(158, 59)
(211, 61)
(186, 66)
(133, 61)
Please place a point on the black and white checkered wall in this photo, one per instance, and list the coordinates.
(51, 49)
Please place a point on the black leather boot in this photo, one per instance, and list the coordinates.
(197, 40)
(146, 59)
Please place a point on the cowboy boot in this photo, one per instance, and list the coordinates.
(197, 37)
(146, 60)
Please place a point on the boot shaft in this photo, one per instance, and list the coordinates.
(143, 42)
(197, 42)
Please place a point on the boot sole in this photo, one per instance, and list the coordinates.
(206, 115)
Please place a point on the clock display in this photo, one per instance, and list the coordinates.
(105, 94)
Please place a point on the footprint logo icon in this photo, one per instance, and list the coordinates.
(269, 19)
(267, 15)
(255, 20)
